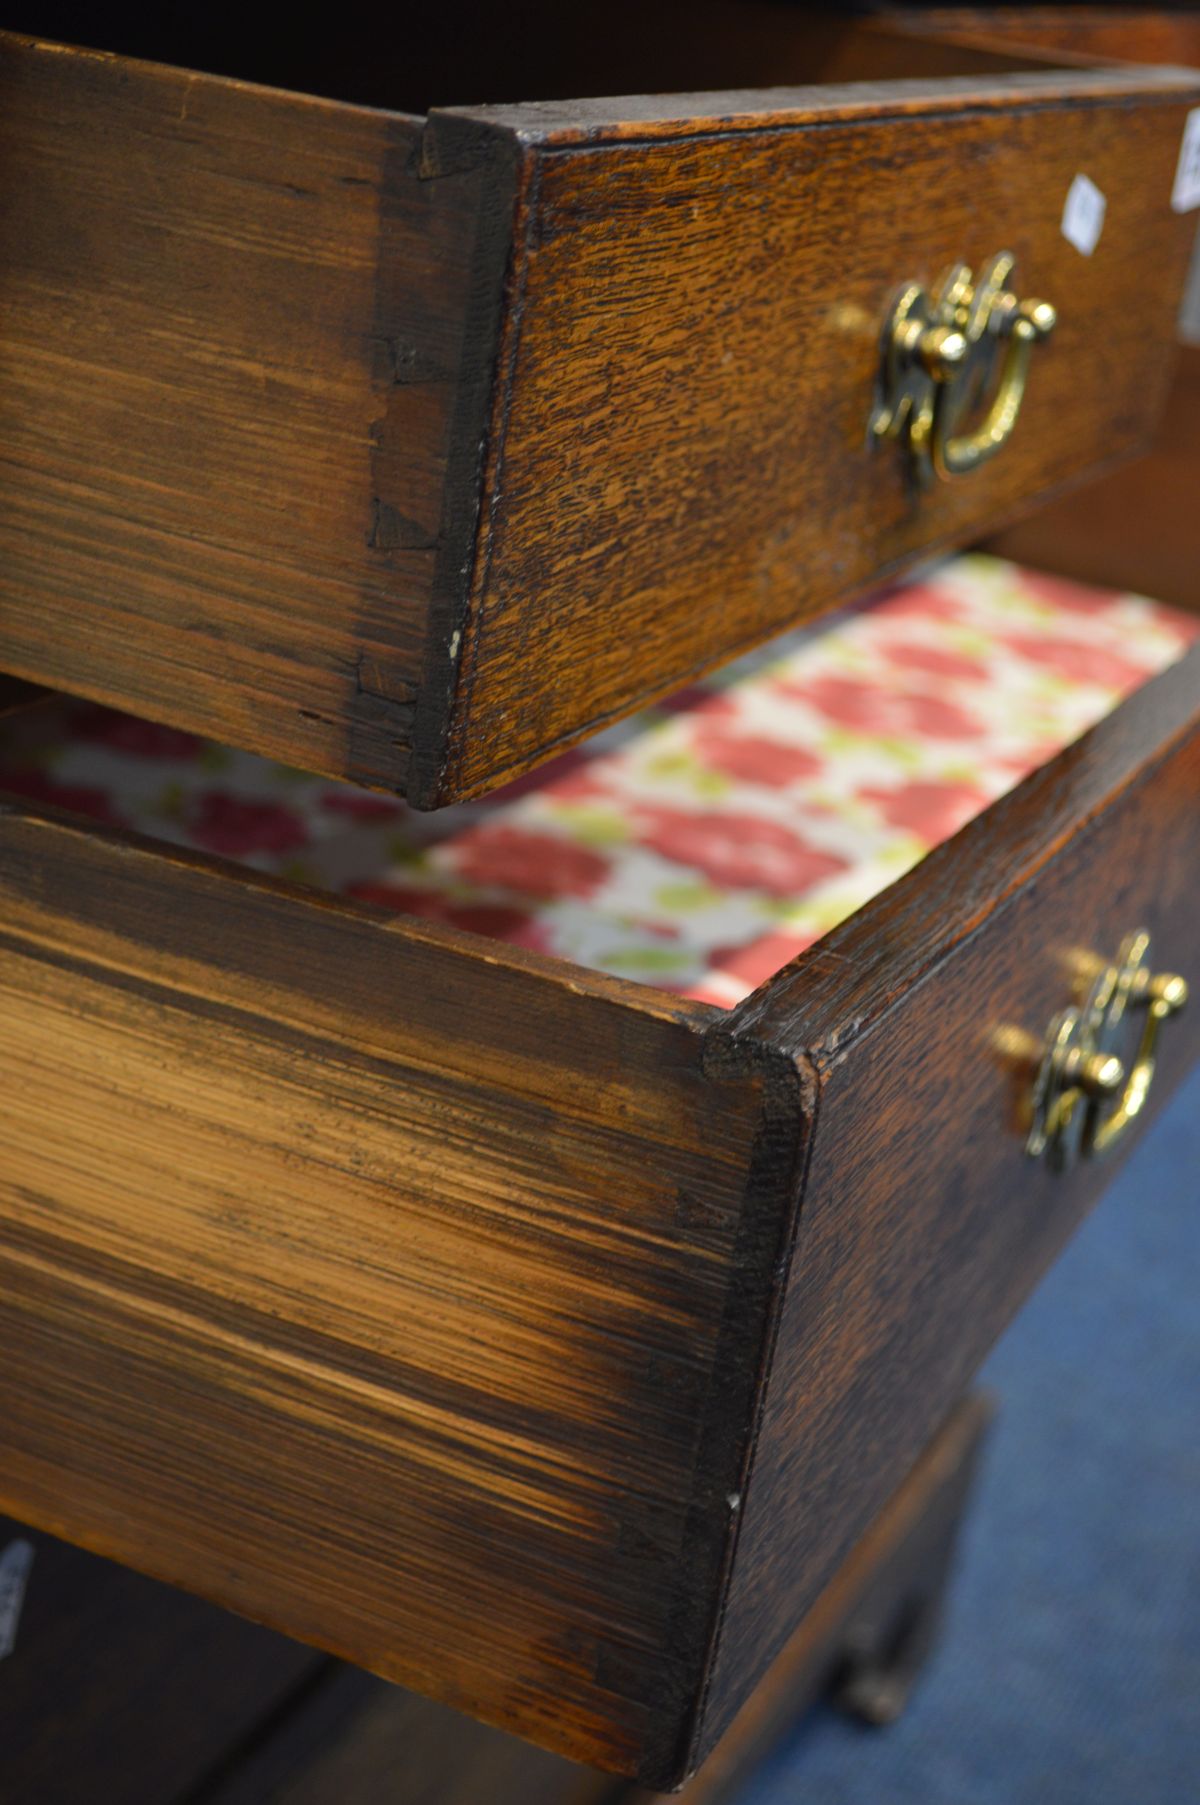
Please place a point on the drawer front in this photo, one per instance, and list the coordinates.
(537, 1340)
(684, 463)
(923, 1221)
(410, 450)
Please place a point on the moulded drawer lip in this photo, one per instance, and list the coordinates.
(410, 450)
(531, 1337)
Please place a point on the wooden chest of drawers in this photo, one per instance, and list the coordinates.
(411, 449)
(531, 1336)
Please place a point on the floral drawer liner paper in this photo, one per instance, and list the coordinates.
(702, 845)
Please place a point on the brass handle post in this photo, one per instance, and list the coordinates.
(1084, 1097)
(939, 355)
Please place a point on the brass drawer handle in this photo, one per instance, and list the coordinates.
(939, 356)
(1083, 1099)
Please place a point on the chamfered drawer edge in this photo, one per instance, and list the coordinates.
(501, 1327)
(409, 450)
(922, 1222)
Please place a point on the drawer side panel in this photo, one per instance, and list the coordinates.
(234, 325)
(369, 1286)
(923, 1223)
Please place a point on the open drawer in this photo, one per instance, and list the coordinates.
(539, 1338)
(411, 446)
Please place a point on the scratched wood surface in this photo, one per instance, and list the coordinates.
(240, 345)
(684, 466)
(510, 1330)
(923, 1224)
(411, 449)
(392, 1290)
(360, 1740)
(129, 1691)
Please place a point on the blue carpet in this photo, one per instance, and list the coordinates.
(1069, 1669)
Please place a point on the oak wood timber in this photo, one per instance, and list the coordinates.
(923, 1224)
(506, 1328)
(389, 1287)
(681, 465)
(1136, 528)
(411, 450)
(126, 1692)
(358, 1739)
(244, 350)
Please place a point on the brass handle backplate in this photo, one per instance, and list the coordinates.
(1083, 1096)
(939, 361)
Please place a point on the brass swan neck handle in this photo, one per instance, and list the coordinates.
(1084, 1095)
(940, 355)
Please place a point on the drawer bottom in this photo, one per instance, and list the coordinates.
(701, 846)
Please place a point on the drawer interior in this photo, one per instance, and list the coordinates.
(702, 845)
(466, 53)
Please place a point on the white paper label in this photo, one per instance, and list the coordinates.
(1186, 192)
(15, 1562)
(1083, 215)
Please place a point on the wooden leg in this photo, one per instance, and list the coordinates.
(892, 1630)
(175, 1703)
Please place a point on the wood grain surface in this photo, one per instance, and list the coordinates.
(682, 466)
(360, 1740)
(244, 348)
(511, 1330)
(133, 1693)
(923, 1223)
(397, 1291)
(1134, 529)
(411, 450)
(1141, 34)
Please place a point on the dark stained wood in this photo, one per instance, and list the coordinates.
(465, 52)
(410, 450)
(923, 1224)
(682, 466)
(362, 1740)
(124, 1691)
(1135, 528)
(244, 349)
(526, 1336)
(392, 1289)
(874, 1622)
(1142, 34)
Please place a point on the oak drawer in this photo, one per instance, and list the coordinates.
(410, 447)
(536, 1338)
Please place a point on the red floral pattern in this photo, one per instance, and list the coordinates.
(235, 826)
(931, 810)
(1079, 661)
(740, 852)
(751, 757)
(530, 864)
(703, 846)
(519, 927)
(128, 733)
(76, 798)
(884, 713)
